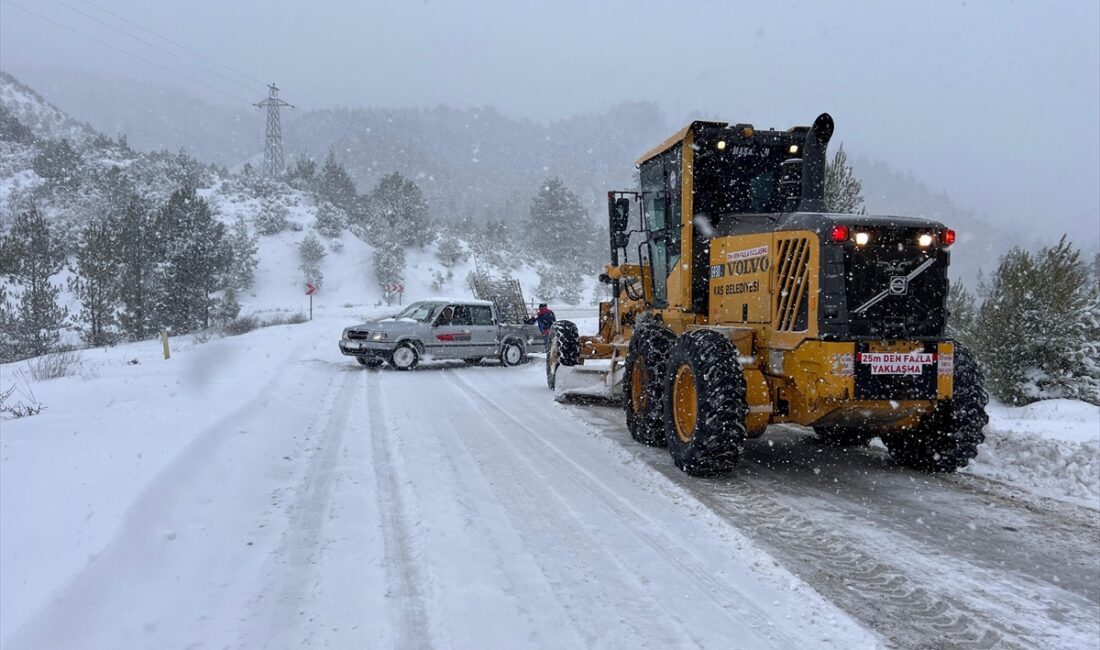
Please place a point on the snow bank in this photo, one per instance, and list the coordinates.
(1051, 448)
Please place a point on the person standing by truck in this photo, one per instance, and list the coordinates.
(545, 319)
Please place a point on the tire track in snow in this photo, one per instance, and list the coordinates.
(446, 459)
(300, 550)
(540, 513)
(723, 594)
(882, 594)
(405, 586)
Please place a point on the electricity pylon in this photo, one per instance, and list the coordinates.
(273, 142)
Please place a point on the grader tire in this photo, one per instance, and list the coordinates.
(569, 342)
(947, 438)
(643, 384)
(705, 406)
(563, 349)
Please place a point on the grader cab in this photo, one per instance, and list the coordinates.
(739, 301)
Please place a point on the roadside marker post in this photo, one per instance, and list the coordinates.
(390, 289)
(164, 343)
(309, 292)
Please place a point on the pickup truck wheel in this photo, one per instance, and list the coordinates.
(512, 353)
(405, 357)
(370, 362)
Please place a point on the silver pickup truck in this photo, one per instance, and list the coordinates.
(440, 329)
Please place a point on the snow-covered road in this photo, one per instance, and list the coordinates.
(286, 497)
(927, 560)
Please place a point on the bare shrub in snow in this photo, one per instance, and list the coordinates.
(19, 401)
(241, 325)
(56, 365)
(449, 252)
(439, 280)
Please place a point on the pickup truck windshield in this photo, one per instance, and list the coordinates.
(421, 312)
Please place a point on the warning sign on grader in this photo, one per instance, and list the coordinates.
(897, 363)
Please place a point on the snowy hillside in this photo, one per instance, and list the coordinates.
(349, 279)
(44, 119)
(73, 185)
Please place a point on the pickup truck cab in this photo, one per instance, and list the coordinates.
(437, 329)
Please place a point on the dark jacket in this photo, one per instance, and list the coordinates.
(545, 318)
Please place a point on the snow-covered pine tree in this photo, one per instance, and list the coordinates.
(311, 252)
(12, 130)
(226, 307)
(196, 257)
(331, 220)
(1036, 331)
(961, 313)
(7, 327)
(389, 263)
(273, 217)
(1002, 331)
(1064, 314)
(302, 175)
(843, 191)
(559, 282)
(335, 185)
(397, 213)
(95, 283)
(558, 227)
(137, 248)
(38, 256)
(59, 164)
(243, 256)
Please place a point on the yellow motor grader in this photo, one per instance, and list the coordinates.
(739, 301)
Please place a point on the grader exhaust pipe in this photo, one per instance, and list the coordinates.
(813, 164)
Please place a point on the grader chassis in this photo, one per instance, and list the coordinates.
(747, 303)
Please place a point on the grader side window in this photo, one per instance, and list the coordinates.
(661, 194)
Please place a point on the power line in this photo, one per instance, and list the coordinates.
(152, 45)
(165, 38)
(127, 53)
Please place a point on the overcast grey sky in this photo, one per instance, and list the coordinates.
(996, 102)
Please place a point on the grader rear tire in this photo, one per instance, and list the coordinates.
(643, 384)
(705, 406)
(947, 438)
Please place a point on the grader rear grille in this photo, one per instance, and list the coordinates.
(792, 282)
